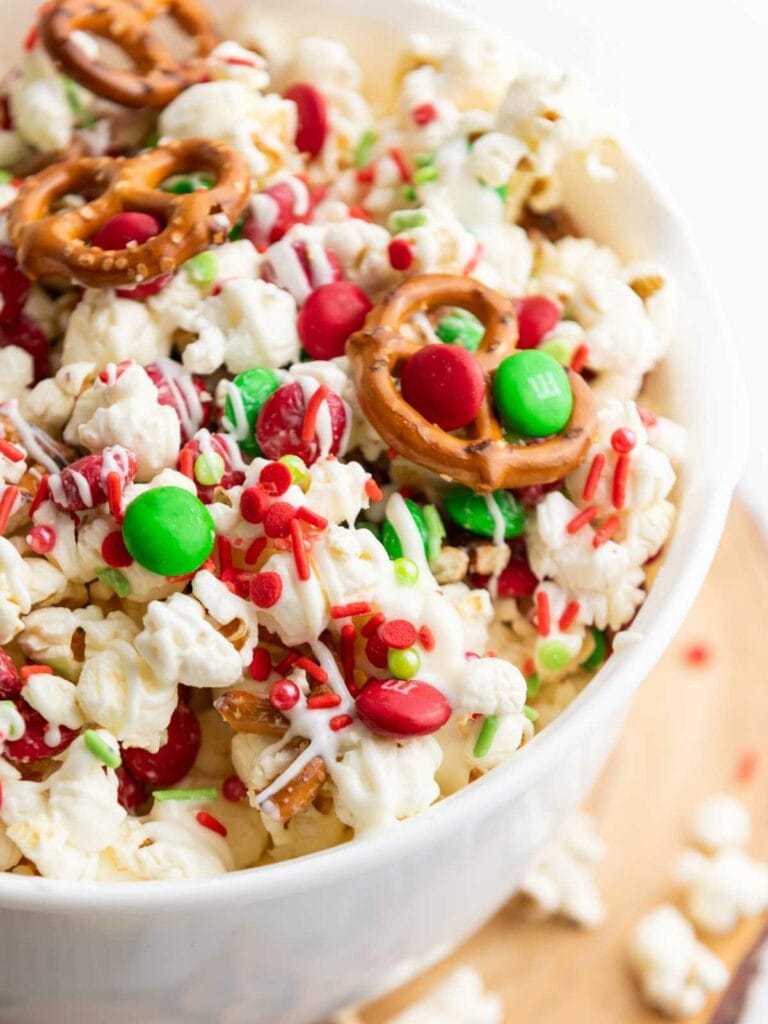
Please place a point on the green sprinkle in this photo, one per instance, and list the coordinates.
(101, 750)
(460, 327)
(406, 571)
(209, 468)
(425, 174)
(553, 655)
(73, 96)
(152, 139)
(531, 713)
(533, 685)
(115, 579)
(205, 793)
(406, 220)
(404, 664)
(423, 159)
(390, 539)
(435, 532)
(5, 177)
(370, 527)
(598, 655)
(364, 146)
(486, 736)
(203, 268)
(408, 193)
(502, 191)
(237, 231)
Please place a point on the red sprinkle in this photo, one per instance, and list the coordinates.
(266, 588)
(340, 722)
(343, 611)
(399, 634)
(233, 789)
(208, 821)
(10, 451)
(620, 477)
(746, 766)
(35, 670)
(348, 635)
(261, 665)
(606, 531)
(7, 501)
(311, 518)
(402, 164)
(373, 624)
(543, 614)
(275, 479)
(477, 255)
(698, 654)
(42, 539)
(593, 477)
(253, 504)
(309, 425)
(373, 490)
(115, 495)
(427, 638)
(224, 552)
(287, 663)
(324, 700)
(255, 549)
(400, 252)
(43, 489)
(623, 440)
(278, 519)
(529, 667)
(114, 552)
(299, 551)
(313, 670)
(581, 519)
(579, 358)
(284, 695)
(647, 418)
(187, 463)
(569, 616)
(424, 114)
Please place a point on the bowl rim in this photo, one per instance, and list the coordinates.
(687, 560)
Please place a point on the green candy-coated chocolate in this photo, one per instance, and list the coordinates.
(389, 537)
(169, 531)
(533, 394)
(404, 664)
(373, 528)
(460, 327)
(255, 387)
(470, 511)
(599, 652)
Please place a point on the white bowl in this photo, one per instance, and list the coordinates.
(290, 943)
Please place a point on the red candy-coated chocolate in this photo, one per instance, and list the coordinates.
(284, 215)
(623, 440)
(114, 552)
(226, 447)
(233, 789)
(328, 317)
(536, 317)
(279, 426)
(277, 521)
(185, 394)
(266, 588)
(312, 114)
(402, 707)
(10, 680)
(131, 794)
(174, 759)
(316, 264)
(32, 746)
(83, 484)
(400, 252)
(445, 384)
(275, 479)
(399, 633)
(283, 694)
(145, 289)
(126, 227)
(42, 539)
(14, 286)
(25, 333)
(517, 580)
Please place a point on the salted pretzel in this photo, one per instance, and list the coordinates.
(52, 243)
(157, 76)
(482, 460)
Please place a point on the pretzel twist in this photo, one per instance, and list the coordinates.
(483, 459)
(157, 77)
(53, 243)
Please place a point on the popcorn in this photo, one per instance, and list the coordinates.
(719, 891)
(459, 999)
(39, 106)
(104, 328)
(721, 821)
(16, 372)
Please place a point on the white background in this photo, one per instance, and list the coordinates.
(690, 78)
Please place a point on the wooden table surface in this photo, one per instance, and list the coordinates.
(688, 729)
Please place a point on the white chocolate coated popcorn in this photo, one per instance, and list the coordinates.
(459, 999)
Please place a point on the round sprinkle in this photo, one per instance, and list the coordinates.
(266, 588)
(42, 539)
(209, 468)
(486, 736)
(233, 789)
(203, 793)
(623, 440)
(278, 518)
(399, 634)
(253, 504)
(261, 665)
(533, 394)
(101, 750)
(406, 572)
(275, 479)
(404, 664)
(169, 531)
(114, 552)
(284, 695)
(553, 655)
(298, 470)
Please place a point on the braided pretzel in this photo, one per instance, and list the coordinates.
(158, 77)
(55, 243)
(483, 460)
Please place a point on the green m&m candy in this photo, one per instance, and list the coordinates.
(460, 327)
(242, 407)
(169, 531)
(472, 512)
(389, 537)
(533, 394)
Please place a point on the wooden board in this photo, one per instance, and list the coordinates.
(687, 731)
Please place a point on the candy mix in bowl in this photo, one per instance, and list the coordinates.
(325, 478)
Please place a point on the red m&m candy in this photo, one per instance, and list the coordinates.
(126, 227)
(14, 286)
(402, 707)
(328, 317)
(312, 116)
(174, 759)
(445, 384)
(281, 428)
(536, 317)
